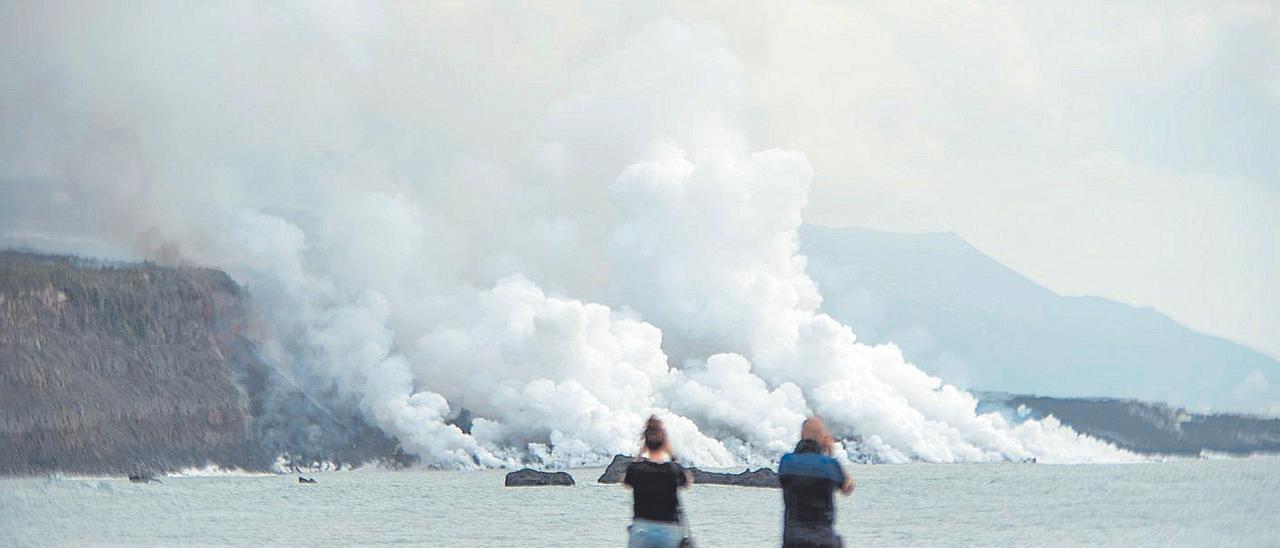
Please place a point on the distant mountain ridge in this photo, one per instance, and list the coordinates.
(959, 314)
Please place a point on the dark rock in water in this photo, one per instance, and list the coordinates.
(305, 480)
(143, 477)
(528, 477)
(616, 469)
(761, 477)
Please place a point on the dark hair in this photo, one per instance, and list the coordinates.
(655, 436)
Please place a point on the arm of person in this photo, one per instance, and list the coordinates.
(843, 479)
(846, 481)
(686, 477)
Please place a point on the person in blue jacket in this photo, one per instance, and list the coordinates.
(810, 478)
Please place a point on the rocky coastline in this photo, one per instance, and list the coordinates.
(120, 369)
(760, 477)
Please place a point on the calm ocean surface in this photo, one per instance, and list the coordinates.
(1230, 502)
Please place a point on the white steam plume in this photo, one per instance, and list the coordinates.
(562, 243)
(707, 250)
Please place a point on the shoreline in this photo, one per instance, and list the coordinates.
(217, 472)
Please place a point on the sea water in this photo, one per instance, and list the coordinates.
(1229, 502)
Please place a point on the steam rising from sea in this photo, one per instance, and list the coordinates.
(560, 240)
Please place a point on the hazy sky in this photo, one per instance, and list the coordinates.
(1123, 149)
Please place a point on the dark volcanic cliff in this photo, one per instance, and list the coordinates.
(114, 369)
(100, 367)
(1151, 428)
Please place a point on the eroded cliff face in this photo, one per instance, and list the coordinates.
(119, 368)
(115, 369)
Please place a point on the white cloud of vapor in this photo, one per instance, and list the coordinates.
(558, 223)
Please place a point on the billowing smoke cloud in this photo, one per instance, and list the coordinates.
(560, 243)
(707, 250)
(542, 369)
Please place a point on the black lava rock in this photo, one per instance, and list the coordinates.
(143, 477)
(616, 469)
(761, 477)
(528, 477)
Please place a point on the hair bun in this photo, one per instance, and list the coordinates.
(655, 435)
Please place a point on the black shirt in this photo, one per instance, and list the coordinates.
(654, 486)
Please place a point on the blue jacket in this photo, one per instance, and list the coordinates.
(809, 480)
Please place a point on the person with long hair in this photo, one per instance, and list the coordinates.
(653, 478)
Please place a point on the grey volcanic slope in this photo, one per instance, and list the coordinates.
(117, 369)
(1151, 428)
(961, 315)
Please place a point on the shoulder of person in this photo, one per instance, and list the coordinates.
(785, 460)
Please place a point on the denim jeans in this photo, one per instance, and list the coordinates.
(654, 534)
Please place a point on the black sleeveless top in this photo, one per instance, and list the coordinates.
(654, 486)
